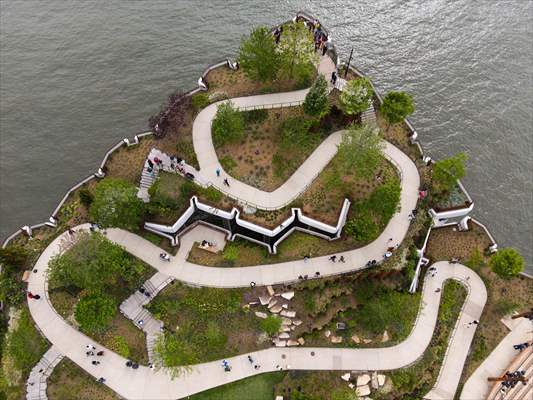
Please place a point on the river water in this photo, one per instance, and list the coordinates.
(76, 77)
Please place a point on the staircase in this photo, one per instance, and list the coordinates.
(524, 362)
(36, 384)
(368, 116)
(147, 179)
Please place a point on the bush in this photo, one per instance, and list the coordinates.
(507, 263)
(116, 204)
(295, 135)
(94, 312)
(271, 324)
(361, 150)
(14, 255)
(448, 171)
(173, 353)
(505, 307)
(385, 199)
(316, 101)
(397, 106)
(12, 290)
(120, 346)
(356, 96)
(228, 163)
(231, 252)
(362, 227)
(24, 344)
(200, 101)
(228, 125)
(212, 194)
(258, 56)
(86, 197)
(255, 116)
(303, 73)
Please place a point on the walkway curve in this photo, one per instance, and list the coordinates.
(299, 180)
(145, 383)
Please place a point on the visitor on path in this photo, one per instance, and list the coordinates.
(90, 347)
(71, 231)
(257, 366)
(324, 49)
(306, 258)
(333, 258)
(317, 274)
(342, 259)
(334, 77)
(250, 359)
(100, 353)
(129, 363)
(150, 163)
(94, 362)
(164, 256)
(387, 254)
(101, 380)
(226, 182)
(218, 172)
(521, 346)
(89, 353)
(141, 322)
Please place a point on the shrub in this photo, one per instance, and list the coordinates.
(271, 324)
(397, 106)
(228, 125)
(316, 101)
(231, 252)
(257, 55)
(295, 135)
(507, 263)
(356, 96)
(120, 346)
(362, 227)
(95, 311)
(505, 307)
(255, 116)
(116, 204)
(214, 338)
(385, 199)
(446, 172)
(86, 197)
(212, 194)
(14, 255)
(228, 163)
(476, 260)
(361, 150)
(200, 101)
(303, 74)
(173, 353)
(12, 291)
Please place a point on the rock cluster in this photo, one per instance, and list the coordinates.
(364, 384)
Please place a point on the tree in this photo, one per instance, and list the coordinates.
(116, 204)
(271, 324)
(361, 150)
(356, 96)
(397, 106)
(95, 311)
(362, 227)
(228, 124)
(297, 49)
(316, 101)
(507, 263)
(446, 172)
(295, 135)
(14, 255)
(257, 55)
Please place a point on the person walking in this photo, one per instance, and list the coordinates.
(94, 362)
(306, 258)
(226, 182)
(218, 172)
(342, 259)
(334, 77)
(333, 258)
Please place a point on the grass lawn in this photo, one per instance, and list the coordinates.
(260, 387)
(70, 382)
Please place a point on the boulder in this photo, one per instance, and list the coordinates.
(292, 343)
(301, 341)
(272, 303)
(284, 335)
(363, 380)
(280, 343)
(366, 341)
(336, 339)
(375, 384)
(346, 377)
(356, 339)
(276, 309)
(285, 328)
(279, 398)
(260, 314)
(270, 290)
(351, 385)
(285, 306)
(381, 379)
(385, 337)
(287, 295)
(286, 321)
(327, 333)
(297, 322)
(362, 390)
(265, 300)
(288, 314)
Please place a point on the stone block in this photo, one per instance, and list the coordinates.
(260, 314)
(270, 290)
(287, 295)
(362, 390)
(363, 379)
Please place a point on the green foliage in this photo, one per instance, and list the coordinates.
(303, 74)
(271, 324)
(116, 204)
(356, 96)
(231, 252)
(228, 125)
(255, 116)
(86, 197)
(211, 194)
(96, 264)
(24, 345)
(507, 263)
(397, 106)
(214, 338)
(505, 307)
(316, 101)
(257, 55)
(344, 394)
(172, 352)
(446, 172)
(228, 163)
(120, 346)
(12, 291)
(208, 302)
(200, 101)
(14, 255)
(385, 199)
(361, 150)
(476, 260)
(295, 135)
(296, 49)
(95, 311)
(362, 228)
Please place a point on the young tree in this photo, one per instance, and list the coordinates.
(507, 263)
(296, 49)
(361, 149)
(174, 354)
(116, 204)
(95, 311)
(446, 172)
(228, 125)
(396, 106)
(257, 55)
(316, 101)
(356, 96)
(271, 324)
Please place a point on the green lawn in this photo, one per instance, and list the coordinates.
(260, 387)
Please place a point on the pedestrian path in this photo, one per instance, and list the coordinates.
(145, 383)
(296, 184)
(37, 380)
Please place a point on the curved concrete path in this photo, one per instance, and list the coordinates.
(296, 184)
(145, 383)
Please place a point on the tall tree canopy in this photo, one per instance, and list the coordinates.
(507, 263)
(361, 149)
(258, 56)
(356, 96)
(397, 106)
(446, 172)
(297, 49)
(316, 101)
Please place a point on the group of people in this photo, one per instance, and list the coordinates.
(91, 352)
(164, 257)
(33, 296)
(521, 346)
(334, 259)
